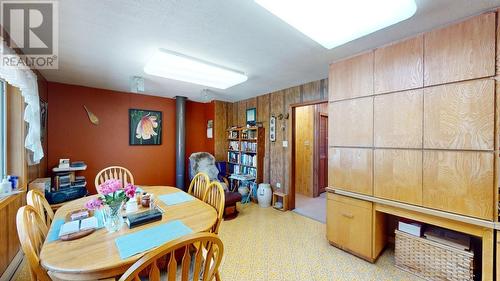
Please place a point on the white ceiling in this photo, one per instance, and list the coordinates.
(102, 43)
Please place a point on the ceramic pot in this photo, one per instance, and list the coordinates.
(264, 195)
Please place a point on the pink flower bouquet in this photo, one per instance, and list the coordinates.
(112, 194)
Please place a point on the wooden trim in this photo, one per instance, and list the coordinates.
(11, 270)
(291, 153)
(427, 211)
(316, 173)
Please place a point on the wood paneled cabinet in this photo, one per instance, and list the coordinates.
(398, 175)
(351, 122)
(460, 115)
(461, 51)
(349, 225)
(398, 119)
(459, 182)
(351, 78)
(399, 66)
(351, 169)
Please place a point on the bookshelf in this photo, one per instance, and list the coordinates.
(245, 155)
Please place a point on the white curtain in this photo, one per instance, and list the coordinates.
(26, 81)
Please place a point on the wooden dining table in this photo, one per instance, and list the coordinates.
(96, 256)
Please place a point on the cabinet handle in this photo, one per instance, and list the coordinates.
(349, 216)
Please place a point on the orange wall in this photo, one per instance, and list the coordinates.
(71, 135)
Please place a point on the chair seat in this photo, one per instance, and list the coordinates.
(231, 198)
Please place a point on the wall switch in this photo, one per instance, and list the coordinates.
(285, 143)
(278, 185)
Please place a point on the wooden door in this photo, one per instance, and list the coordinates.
(323, 153)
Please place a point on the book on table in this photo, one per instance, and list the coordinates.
(78, 225)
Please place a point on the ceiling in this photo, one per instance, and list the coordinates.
(103, 43)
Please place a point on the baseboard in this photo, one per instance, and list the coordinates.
(12, 268)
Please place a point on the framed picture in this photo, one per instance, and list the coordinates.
(251, 115)
(145, 127)
(43, 119)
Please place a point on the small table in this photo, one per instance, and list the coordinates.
(96, 256)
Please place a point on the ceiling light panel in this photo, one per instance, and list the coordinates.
(332, 23)
(177, 66)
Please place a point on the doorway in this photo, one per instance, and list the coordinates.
(309, 160)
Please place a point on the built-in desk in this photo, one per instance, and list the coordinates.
(472, 226)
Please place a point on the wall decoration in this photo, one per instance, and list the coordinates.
(43, 119)
(272, 128)
(145, 127)
(92, 117)
(251, 116)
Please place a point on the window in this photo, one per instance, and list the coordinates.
(3, 130)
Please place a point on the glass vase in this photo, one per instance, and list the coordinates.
(113, 220)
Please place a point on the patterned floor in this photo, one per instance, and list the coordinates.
(266, 245)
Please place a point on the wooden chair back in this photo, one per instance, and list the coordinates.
(198, 185)
(202, 264)
(32, 232)
(114, 172)
(36, 199)
(215, 197)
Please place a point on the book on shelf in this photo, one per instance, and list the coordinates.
(233, 157)
(234, 145)
(249, 146)
(249, 160)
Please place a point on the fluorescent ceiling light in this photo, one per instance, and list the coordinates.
(176, 66)
(332, 23)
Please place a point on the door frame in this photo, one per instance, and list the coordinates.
(291, 154)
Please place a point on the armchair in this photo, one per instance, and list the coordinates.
(205, 162)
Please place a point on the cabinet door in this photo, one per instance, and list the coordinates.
(460, 115)
(461, 51)
(399, 66)
(349, 225)
(459, 182)
(398, 175)
(351, 169)
(398, 119)
(351, 122)
(351, 77)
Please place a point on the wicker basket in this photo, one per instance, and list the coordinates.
(431, 260)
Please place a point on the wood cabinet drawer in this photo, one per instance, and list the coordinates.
(349, 225)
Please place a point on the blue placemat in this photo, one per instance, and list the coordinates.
(175, 198)
(55, 227)
(140, 241)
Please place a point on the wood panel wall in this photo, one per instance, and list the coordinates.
(418, 117)
(276, 160)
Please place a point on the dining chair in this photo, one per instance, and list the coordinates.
(193, 265)
(32, 232)
(199, 185)
(214, 196)
(36, 199)
(114, 172)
